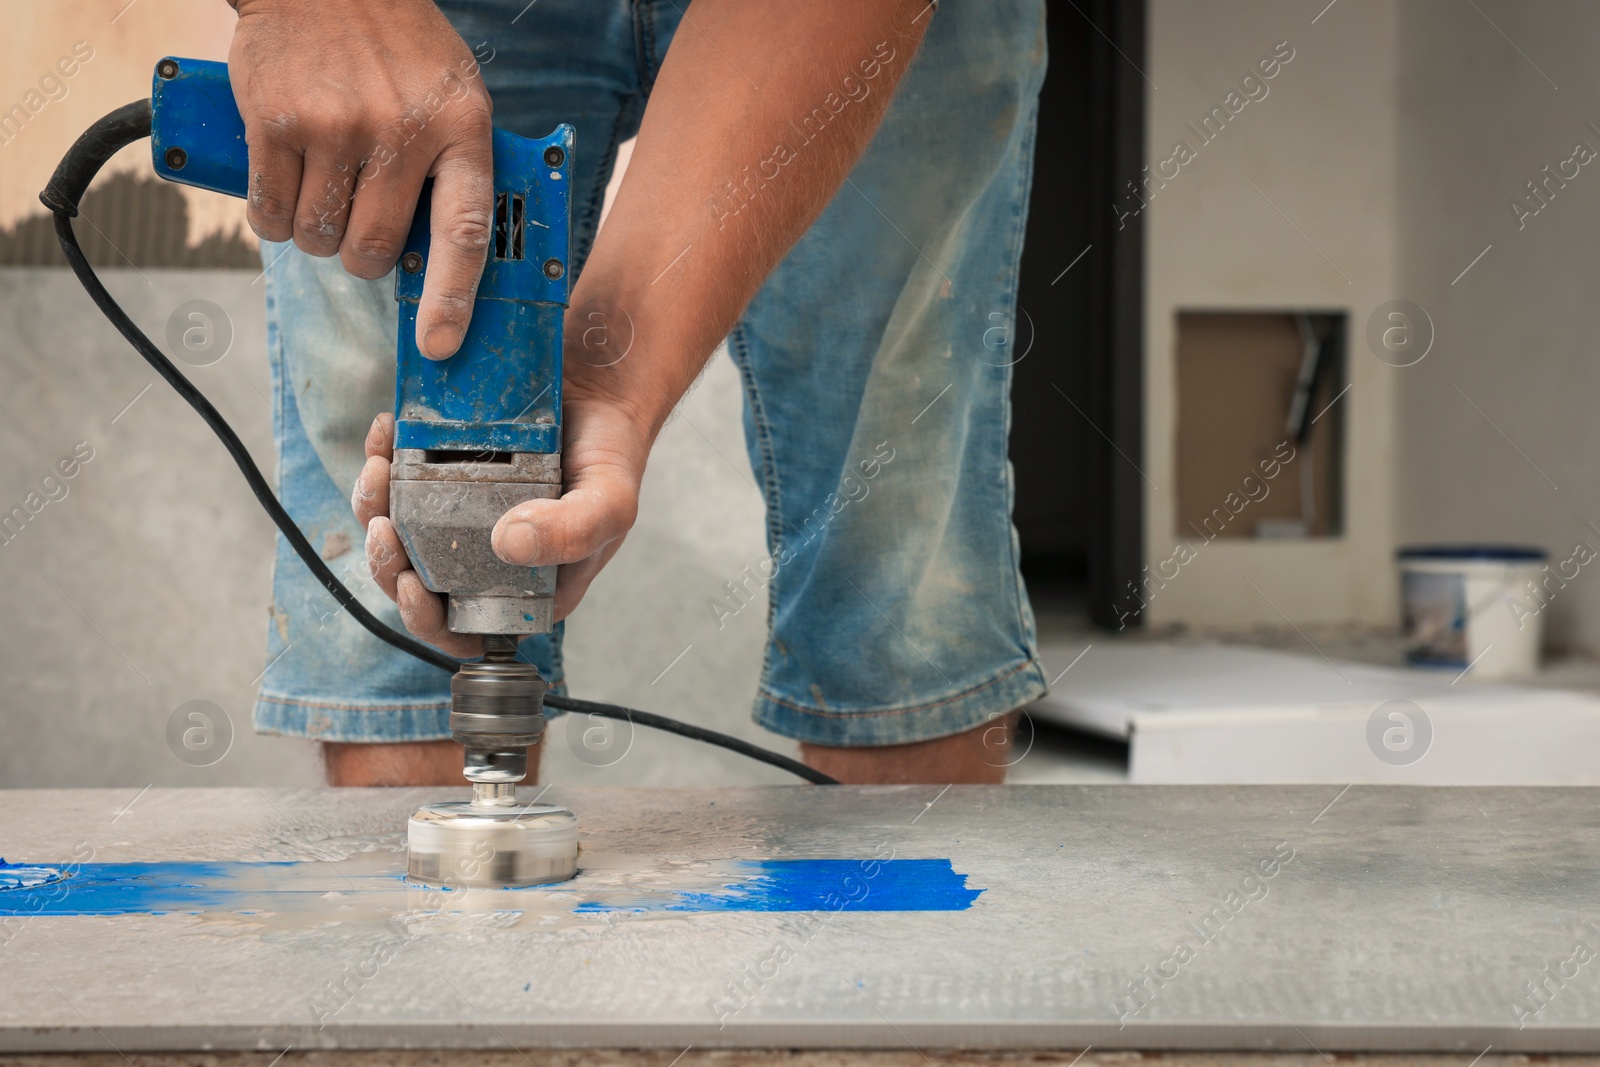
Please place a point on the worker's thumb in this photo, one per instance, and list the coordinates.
(596, 510)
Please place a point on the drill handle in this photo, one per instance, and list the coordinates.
(196, 132)
(501, 391)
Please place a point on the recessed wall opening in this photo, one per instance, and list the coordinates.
(1260, 434)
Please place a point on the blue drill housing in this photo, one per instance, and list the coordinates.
(501, 391)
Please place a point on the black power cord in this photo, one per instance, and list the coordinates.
(67, 185)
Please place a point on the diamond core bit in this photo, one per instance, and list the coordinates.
(491, 842)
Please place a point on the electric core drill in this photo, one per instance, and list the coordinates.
(475, 434)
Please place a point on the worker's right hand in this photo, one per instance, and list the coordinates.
(348, 107)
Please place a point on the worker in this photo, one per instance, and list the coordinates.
(838, 188)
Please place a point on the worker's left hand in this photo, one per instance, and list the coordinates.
(603, 458)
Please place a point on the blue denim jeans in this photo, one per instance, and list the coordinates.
(876, 369)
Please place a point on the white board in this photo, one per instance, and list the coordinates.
(1224, 714)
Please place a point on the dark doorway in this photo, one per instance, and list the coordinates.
(1077, 431)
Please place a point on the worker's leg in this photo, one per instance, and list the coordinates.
(401, 763)
(382, 715)
(978, 756)
(877, 369)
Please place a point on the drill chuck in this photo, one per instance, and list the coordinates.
(496, 712)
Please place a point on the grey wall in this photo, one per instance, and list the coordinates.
(147, 585)
(1480, 117)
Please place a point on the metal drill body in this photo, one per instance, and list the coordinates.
(443, 509)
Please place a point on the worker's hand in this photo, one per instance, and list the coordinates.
(348, 107)
(603, 461)
(604, 448)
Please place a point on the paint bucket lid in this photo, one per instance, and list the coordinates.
(1485, 553)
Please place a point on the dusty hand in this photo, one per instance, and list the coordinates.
(580, 531)
(348, 107)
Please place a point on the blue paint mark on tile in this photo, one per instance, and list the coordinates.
(819, 885)
(136, 888)
(797, 885)
(27, 875)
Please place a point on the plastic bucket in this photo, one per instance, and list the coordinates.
(1473, 606)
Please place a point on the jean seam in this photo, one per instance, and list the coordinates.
(328, 705)
(822, 713)
(589, 221)
(280, 378)
(644, 21)
(739, 349)
(280, 375)
(739, 352)
(283, 700)
(1019, 230)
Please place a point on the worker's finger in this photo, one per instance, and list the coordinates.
(423, 613)
(326, 183)
(463, 197)
(380, 436)
(381, 214)
(386, 556)
(275, 167)
(370, 498)
(588, 516)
